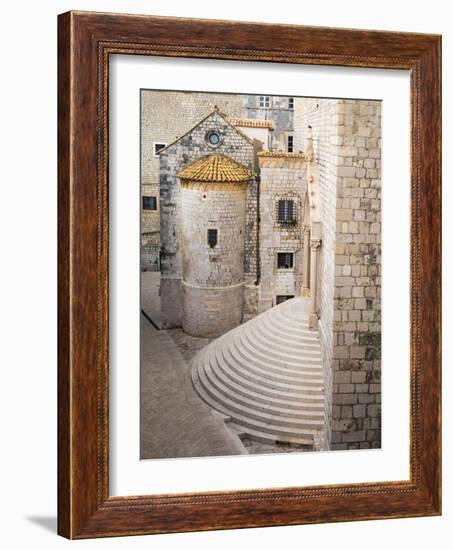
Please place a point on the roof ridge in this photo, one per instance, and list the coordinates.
(251, 122)
(192, 128)
(215, 167)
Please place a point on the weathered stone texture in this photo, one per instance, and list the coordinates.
(213, 277)
(347, 136)
(186, 150)
(166, 115)
(279, 112)
(281, 179)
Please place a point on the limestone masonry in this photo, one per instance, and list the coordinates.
(263, 216)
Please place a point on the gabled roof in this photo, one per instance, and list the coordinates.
(216, 111)
(215, 168)
(251, 123)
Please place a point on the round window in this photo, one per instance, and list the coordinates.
(213, 138)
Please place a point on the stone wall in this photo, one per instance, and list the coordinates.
(166, 115)
(186, 150)
(321, 116)
(213, 277)
(347, 146)
(281, 179)
(150, 251)
(278, 111)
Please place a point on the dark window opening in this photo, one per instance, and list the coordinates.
(264, 101)
(212, 237)
(291, 103)
(286, 211)
(149, 203)
(158, 147)
(290, 146)
(285, 260)
(281, 299)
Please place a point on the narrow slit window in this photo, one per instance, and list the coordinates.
(285, 260)
(290, 145)
(212, 237)
(291, 103)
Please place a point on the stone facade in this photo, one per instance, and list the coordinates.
(282, 178)
(166, 115)
(213, 276)
(334, 238)
(185, 150)
(279, 110)
(346, 136)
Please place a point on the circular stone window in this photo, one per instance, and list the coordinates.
(213, 138)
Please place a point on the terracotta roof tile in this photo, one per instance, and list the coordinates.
(281, 154)
(215, 168)
(250, 123)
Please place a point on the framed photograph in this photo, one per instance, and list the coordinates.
(249, 275)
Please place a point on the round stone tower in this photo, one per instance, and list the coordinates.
(213, 241)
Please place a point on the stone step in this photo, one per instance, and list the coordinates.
(230, 368)
(275, 342)
(305, 368)
(291, 363)
(262, 437)
(308, 396)
(301, 339)
(266, 424)
(253, 409)
(232, 389)
(209, 377)
(247, 364)
(294, 332)
(281, 349)
(266, 376)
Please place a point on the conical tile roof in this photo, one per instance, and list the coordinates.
(215, 168)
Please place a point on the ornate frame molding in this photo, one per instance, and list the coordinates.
(85, 41)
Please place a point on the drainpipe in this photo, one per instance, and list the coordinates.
(258, 220)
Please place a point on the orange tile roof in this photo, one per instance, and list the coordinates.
(215, 168)
(281, 154)
(250, 123)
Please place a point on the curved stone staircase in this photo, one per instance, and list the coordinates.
(266, 376)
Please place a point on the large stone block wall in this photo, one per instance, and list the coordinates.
(280, 179)
(212, 311)
(347, 136)
(219, 206)
(321, 116)
(186, 150)
(213, 277)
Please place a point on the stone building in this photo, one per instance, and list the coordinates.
(167, 115)
(276, 253)
(213, 200)
(347, 149)
(279, 110)
(213, 134)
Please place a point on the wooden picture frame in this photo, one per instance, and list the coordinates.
(85, 41)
